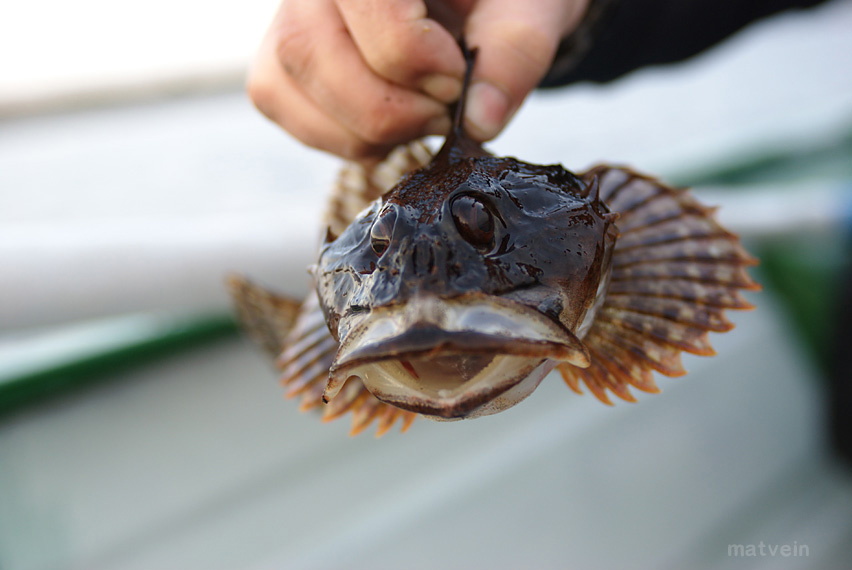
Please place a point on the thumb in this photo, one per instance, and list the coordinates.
(517, 42)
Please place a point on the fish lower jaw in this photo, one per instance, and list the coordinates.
(452, 358)
(451, 388)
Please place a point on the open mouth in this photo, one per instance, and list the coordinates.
(453, 359)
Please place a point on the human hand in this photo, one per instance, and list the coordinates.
(357, 77)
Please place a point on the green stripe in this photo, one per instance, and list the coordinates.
(158, 337)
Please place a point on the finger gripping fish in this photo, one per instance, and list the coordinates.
(450, 286)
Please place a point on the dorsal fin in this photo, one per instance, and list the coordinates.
(459, 145)
(459, 106)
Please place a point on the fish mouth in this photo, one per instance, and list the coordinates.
(453, 358)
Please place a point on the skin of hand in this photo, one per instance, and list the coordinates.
(357, 77)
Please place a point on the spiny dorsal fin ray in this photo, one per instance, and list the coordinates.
(458, 108)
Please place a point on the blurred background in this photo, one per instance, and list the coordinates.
(139, 430)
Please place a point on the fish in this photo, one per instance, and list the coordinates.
(450, 285)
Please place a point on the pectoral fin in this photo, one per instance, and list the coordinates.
(308, 353)
(675, 271)
(266, 317)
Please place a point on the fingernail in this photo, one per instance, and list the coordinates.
(487, 110)
(438, 126)
(444, 88)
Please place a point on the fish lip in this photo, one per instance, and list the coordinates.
(469, 325)
(424, 340)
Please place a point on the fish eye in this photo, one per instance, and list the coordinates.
(381, 231)
(473, 221)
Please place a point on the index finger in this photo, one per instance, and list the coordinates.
(400, 43)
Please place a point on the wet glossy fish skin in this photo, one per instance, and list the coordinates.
(550, 247)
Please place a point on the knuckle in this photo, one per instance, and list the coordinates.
(395, 57)
(261, 93)
(293, 50)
